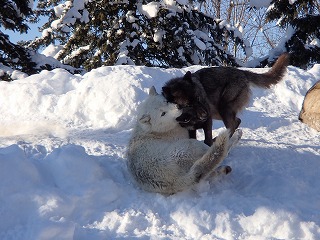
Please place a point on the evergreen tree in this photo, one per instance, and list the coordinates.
(302, 18)
(13, 16)
(150, 33)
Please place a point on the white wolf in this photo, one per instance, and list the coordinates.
(162, 158)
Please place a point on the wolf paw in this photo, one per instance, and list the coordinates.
(227, 169)
(220, 171)
(223, 170)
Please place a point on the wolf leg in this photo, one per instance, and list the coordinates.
(235, 139)
(212, 158)
(224, 170)
(207, 128)
(238, 121)
(229, 119)
(192, 134)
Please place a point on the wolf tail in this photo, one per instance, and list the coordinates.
(273, 76)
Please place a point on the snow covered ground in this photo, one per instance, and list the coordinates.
(63, 169)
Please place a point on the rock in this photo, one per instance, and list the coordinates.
(310, 112)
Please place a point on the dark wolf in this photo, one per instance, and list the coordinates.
(218, 93)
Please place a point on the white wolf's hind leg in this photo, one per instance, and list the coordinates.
(235, 139)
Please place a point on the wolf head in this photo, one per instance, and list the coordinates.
(184, 92)
(156, 114)
(180, 91)
(192, 116)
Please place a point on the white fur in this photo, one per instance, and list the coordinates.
(162, 158)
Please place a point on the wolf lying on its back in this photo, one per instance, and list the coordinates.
(217, 93)
(162, 158)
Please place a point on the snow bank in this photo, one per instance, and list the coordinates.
(102, 98)
(63, 169)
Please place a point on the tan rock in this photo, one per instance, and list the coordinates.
(310, 112)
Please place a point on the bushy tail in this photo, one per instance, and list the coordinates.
(273, 76)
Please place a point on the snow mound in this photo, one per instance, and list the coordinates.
(63, 172)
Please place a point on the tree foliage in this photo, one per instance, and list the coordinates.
(249, 17)
(302, 18)
(13, 16)
(149, 33)
(165, 33)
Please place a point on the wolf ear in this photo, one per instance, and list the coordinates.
(187, 76)
(153, 91)
(145, 119)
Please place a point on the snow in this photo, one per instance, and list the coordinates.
(158, 35)
(170, 2)
(52, 50)
(15, 74)
(46, 32)
(58, 10)
(150, 10)
(315, 42)
(76, 52)
(130, 18)
(281, 47)
(63, 172)
(292, 1)
(68, 13)
(201, 45)
(55, 24)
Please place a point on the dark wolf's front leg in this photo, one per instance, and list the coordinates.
(207, 128)
(193, 134)
(230, 120)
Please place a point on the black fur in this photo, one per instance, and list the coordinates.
(217, 93)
